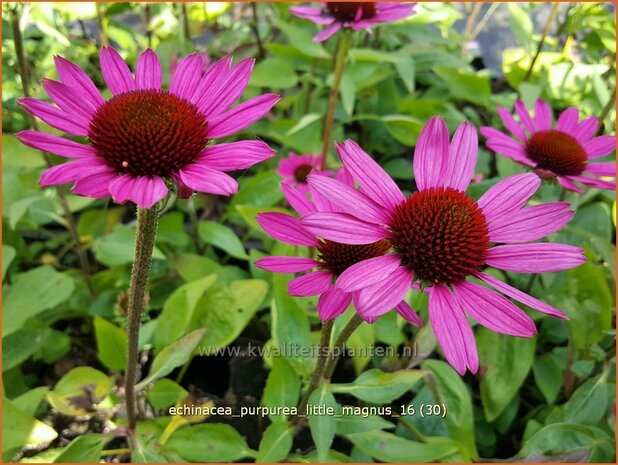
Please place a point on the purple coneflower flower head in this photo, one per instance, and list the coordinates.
(295, 168)
(333, 258)
(144, 138)
(355, 15)
(564, 151)
(441, 238)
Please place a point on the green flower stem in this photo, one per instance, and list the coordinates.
(346, 332)
(550, 21)
(345, 40)
(144, 246)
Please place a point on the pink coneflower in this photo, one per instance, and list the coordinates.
(333, 258)
(563, 151)
(295, 168)
(144, 137)
(441, 237)
(355, 15)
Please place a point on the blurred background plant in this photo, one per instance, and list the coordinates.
(64, 346)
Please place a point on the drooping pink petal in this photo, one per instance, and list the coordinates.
(332, 303)
(521, 296)
(389, 12)
(286, 228)
(76, 78)
(586, 129)
(504, 145)
(594, 182)
(453, 333)
(55, 144)
(187, 76)
(70, 172)
(348, 199)
(511, 124)
(408, 313)
(431, 154)
(524, 116)
(567, 183)
(600, 146)
(201, 178)
(375, 300)
(567, 121)
(530, 224)
(370, 176)
(144, 191)
(241, 116)
(312, 14)
(327, 33)
(508, 195)
(184, 191)
(286, 264)
(492, 310)
(368, 272)
(607, 168)
(297, 199)
(95, 185)
(54, 116)
(542, 115)
(343, 228)
(462, 156)
(115, 71)
(535, 258)
(310, 284)
(235, 155)
(69, 101)
(148, 71)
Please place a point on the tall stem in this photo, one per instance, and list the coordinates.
(102, 34)
(345, 39)
(346, 332)
(144, 246)
(24, 73)
(256, 31)
(555, 7)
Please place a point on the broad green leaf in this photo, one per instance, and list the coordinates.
(347, 93)
(322, 426)
(16, 154)
(589, 403)
(360, 423)
(20, 429)
(450, 390)
(193, 267)
(548, 375)
(165, 393)
(378, 387)
(276, 443)
(118, 247)
(83, 449)
(282, 386)
(210, 443)
(521, 26)
(21, 345)
(301, 40)
(78, 391)
(29, 401)
(8, 255)
(222, 237)
(261, 190)
(31, 293)
(171, 229)
(405, 129)
(304, 121)
(273, 73)
(111, 344)
(465, 85)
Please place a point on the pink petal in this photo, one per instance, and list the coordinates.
(187, 76)
(343, 228)
(68, 101)
(54, 117)
(504, 145)
(348, 199)
(333, 303)
(511, 124)
(431, 154)
(568, 184)
(373, 301)
(115, 71)
(234, 156)
(143, 191)
(373, 180)
(453, 333)
(327, 33)
(567, 121)
(95, 185)
(389, 12)
(55, 144)
(408, 314)
(201, 178)
(241, 116)
(524, 116)
(215, 78)
(600, 146)
(530, 224)
(462, 156)
(148, 71)
(368, 272)
(586, 129)
(286, 228)
(311, 13)
(508, 195)
(542, 115)
(603, 169)
(535, 258)
(76, 78)
(297, 199)
(71, 171)
(344, 176)
(310, 284)
(596, 183)
(521, 296)
(286, 264)
(493, 311)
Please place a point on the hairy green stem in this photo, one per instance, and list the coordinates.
(555, 7)
(144, 246)
(345, 40)
(346, 332)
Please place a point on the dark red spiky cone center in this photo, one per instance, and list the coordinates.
(148, 133)
(557, 151)
(301, 173)
(345, 12)
(339, 257)
(441, 235)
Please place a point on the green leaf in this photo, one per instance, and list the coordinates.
(322, 426)
(589, 402)
(303, 122)
(347, 92)
(548, 374)
(111, 344)
(273, 73)
(407, 71)
(222, 237)
(282, 386)
(261, 190)
(405, 129)
(217, 443)
(173, 356)
(21, 345)
(378, 387)
(276, 443)
(301, 40)
(521, 25)
(351, 424)
(450, 390)
(8, 255)
(22, 430)
(83, 449)
(165, 393)
(118, 247)
(171, 230)
(29, 401)
(79, 390)
(387, 447)
(16, 154)
(31, 293)
(466, 86)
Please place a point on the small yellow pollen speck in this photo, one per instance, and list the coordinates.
(125, 164)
